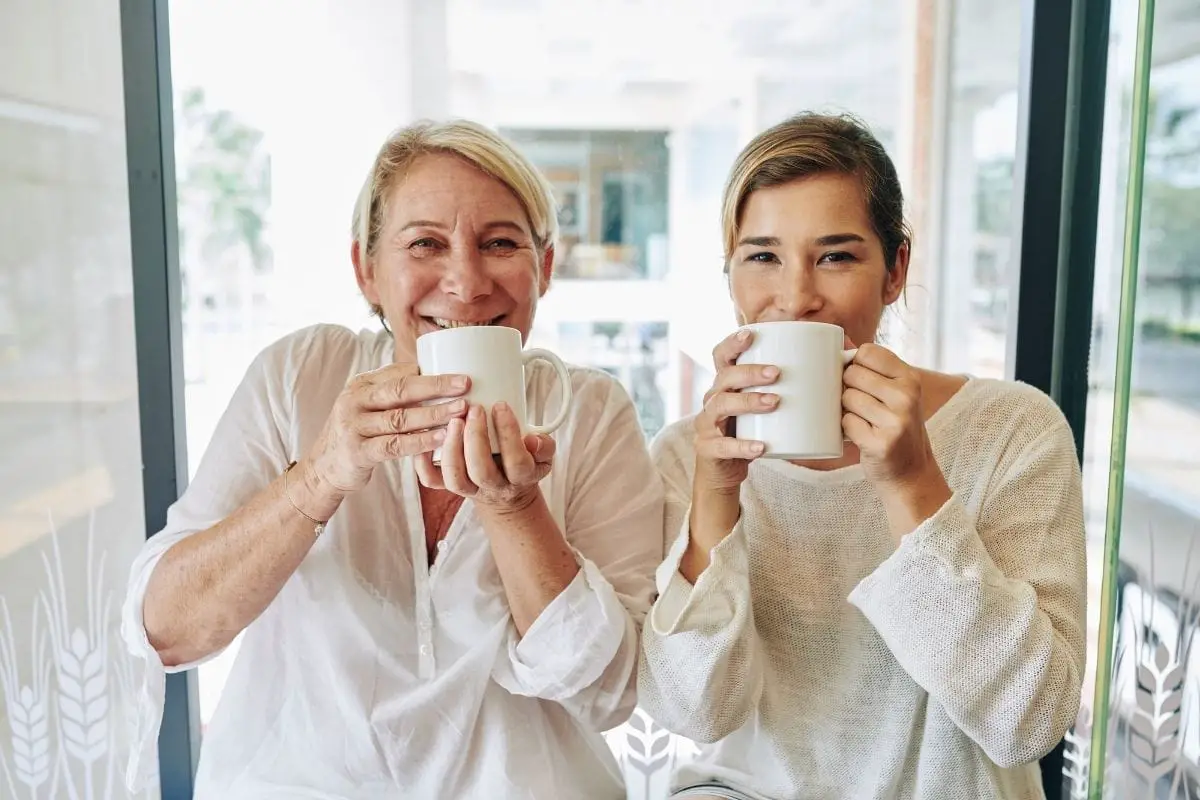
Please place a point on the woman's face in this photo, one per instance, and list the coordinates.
(456, 248)
(806, 251)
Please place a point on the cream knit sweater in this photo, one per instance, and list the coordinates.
(816, 659)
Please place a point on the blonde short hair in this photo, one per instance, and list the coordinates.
(811, 144)
(470, 141)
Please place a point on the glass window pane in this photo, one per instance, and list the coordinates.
(1152, 724)
(71, 513)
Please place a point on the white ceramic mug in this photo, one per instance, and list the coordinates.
(807, 423)
(491, 355)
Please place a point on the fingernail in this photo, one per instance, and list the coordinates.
(770, 399)
(757, 448)
(743, 335)
(459, 381)
(771, 372)
(503, 407)
(439, 435)
(474, 412)
(457, 406)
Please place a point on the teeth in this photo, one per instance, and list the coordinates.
(454, 323)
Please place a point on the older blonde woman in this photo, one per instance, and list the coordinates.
(401, 638)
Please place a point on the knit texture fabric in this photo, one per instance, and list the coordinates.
(817, 659)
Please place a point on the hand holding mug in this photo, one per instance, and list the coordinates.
(496, 455)
(383, 415)
(470, 469)
(722, 461)
(884, 417)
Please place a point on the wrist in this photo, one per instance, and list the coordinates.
(911, 502)
(713, 516)
(313, 494)
(516, 503)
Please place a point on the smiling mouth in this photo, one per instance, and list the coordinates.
(447, 324)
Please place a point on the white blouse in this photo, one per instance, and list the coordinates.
(373, 676)
(816, 659)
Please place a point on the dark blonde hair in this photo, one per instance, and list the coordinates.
(811, 144)
(476, 144)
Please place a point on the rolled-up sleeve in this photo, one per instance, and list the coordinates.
(244, 455)
(701, 675)
(582, 650)
(984, 607)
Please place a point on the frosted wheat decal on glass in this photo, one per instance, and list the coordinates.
(62, 743)
(1154, 743)
(27, 708)
(81, 660)
(1151, 727)
(1077, 755)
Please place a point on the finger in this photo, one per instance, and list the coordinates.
(731, 347)
(389, 448)
(454, 465)
(879, 359)
(721, 407)
(520, 468)
(541, 447)
(744, 376)
(867, 407)
(892, 392)
(406, 419)
(477, 450)
(726, 448)
(409, 390)
(427, 472)
(857, 430)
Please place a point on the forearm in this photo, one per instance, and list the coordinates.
(531, 554)
(713, 515)
(908, 505)
(208, 587)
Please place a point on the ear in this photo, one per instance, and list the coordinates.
(547, 270)
(897, 278)
(364, 272)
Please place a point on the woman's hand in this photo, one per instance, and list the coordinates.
(380, 417)
(885, 419)
(504, 482)
(722, 461)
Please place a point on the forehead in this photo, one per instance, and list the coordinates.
(817, 203)
(442, 188)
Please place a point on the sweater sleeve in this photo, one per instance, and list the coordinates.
(983, 605)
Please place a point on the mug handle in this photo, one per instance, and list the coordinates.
(535, 354)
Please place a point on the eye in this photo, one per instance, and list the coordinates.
(424, 243)
(836, 257)
(764, 257)
(501, 244)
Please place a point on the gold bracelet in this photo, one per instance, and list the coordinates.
(319, 526)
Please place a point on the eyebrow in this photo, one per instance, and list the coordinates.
(824, 241)
(501, 224)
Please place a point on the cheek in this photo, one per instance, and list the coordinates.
(407, 283)
(750, 293)
(519, 279)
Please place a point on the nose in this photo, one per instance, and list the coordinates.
(465, 276)
(798, 296)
